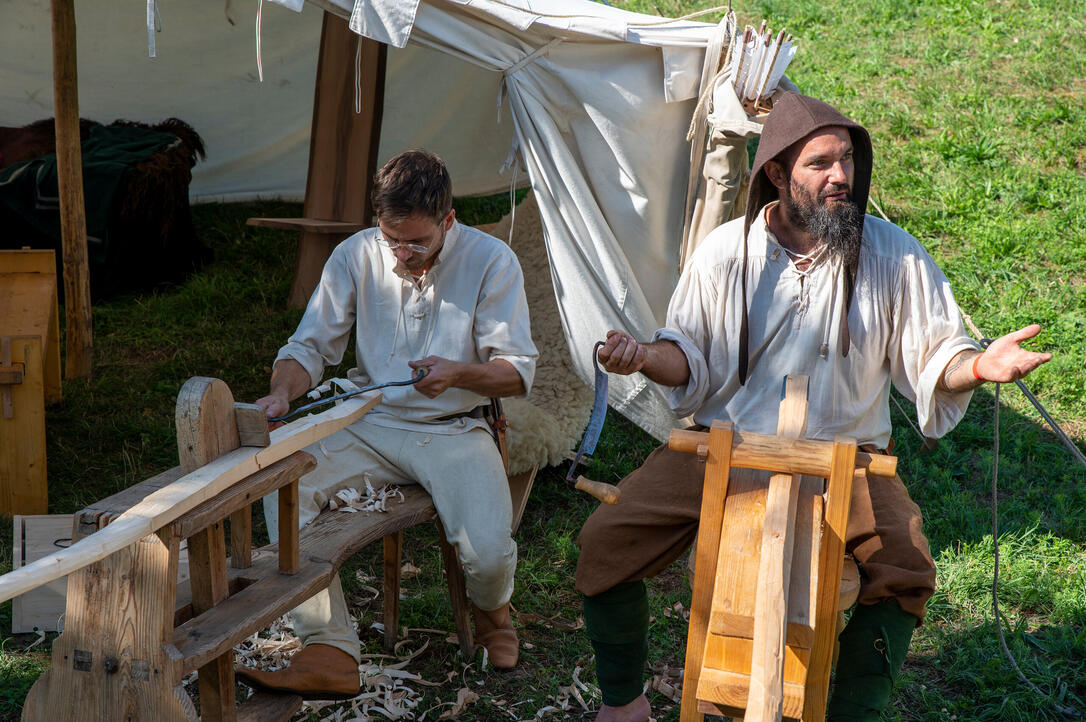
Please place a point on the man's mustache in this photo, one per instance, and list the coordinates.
(837, 188)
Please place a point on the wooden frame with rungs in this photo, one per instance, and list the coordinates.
(768, 565)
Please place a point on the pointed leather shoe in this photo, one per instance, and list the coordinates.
(316, 671)
(494, 630)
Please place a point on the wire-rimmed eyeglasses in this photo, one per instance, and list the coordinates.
(393, 245)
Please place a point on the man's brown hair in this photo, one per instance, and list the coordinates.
(414, 183)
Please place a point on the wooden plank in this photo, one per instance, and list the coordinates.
(241, 538)
(269, 707)
(28, 260)
(23, 481)
(311, 225)
(839, 498)
(73, 227)
(113, 661)
(343, 146)
(717, 468)
(206, 429)
(207, 571)
(288, 528)
(458, 597)
(735, 625)
(28, 306)
(730, 688)
(325, 545)
(736, 618)
(775, 568)
(781, 456)
(393, 548)
(167, 504)
(520, 486)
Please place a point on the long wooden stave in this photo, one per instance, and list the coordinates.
(183, 495)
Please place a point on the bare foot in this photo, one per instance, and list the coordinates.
(636, 711)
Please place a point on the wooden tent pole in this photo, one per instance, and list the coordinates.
(73, 225)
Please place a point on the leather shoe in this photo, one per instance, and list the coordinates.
(494, 630)
(316, 671)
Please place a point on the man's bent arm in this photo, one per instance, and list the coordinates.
(496, 377)
(661, 361)
(289, 380)
(1003, 361)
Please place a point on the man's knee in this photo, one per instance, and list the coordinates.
(489, 561)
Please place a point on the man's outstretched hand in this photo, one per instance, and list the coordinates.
(1005, 360)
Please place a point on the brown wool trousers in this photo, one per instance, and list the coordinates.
(657, 520)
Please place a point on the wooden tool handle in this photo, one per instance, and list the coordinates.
(607, 493)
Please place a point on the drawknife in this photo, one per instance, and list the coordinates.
(607, 493)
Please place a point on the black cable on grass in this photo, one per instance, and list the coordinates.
(1065, 711)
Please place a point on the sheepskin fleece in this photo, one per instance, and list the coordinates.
(545, 426)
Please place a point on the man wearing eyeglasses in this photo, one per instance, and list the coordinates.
(420, 291)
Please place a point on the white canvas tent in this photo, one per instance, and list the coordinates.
(595, 100)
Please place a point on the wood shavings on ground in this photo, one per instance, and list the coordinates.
(678, 611)
(389, 691)
(351, 500)
(570, 700)
(667, 681)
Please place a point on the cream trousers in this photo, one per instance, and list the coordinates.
(462, 472)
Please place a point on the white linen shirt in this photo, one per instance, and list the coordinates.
(904, 327)
(469, 307)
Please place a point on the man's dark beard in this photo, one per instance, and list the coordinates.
(840, 227)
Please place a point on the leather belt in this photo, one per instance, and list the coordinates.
(479, 412)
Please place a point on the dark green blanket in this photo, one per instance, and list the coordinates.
(29, 200)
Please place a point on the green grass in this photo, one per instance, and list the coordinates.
(977, 110)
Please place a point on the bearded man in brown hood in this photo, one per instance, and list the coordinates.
(804, 284)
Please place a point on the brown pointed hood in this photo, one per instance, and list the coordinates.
(794, 117)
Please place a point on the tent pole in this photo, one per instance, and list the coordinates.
(73, 226)
(342, 149)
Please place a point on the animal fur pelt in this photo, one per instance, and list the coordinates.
(150, 236)
(546, 426)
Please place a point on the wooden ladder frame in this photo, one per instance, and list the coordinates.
(773, 519)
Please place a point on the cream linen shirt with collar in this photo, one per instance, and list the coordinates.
(470, 307)
(905, 328)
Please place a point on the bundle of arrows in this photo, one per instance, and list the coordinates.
(758, 61)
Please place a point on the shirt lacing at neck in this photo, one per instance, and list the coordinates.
(813, 258)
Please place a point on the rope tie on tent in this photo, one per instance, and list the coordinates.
(358, 77)
(259, 53)
(1063, 710)
(154, 25)
(519, 65)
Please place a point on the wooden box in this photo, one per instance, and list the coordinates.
(29, 375)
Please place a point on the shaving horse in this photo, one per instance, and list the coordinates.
(773, 519)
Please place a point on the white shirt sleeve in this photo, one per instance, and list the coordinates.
(928, 333)
(689, 326)
(325, 328)
(502, 328)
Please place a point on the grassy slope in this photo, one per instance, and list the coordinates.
(978, 114)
